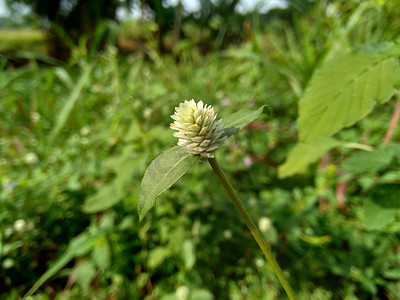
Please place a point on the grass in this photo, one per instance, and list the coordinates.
(85, 131)
(22, 40)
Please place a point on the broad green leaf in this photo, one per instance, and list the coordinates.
(84, 273)
(382, 207)
(303, 154)
(157, 256)
(105, 198)
(201, 294)
(124, 166)
(101, 252)
(80, 245)
(236, 121)
(163, 172)
(344, 91)
(370, 161)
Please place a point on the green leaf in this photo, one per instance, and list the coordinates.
(101, 252)
(393, 274)
(163, 172)
(105, 198)
(188, 254)
(304, 154)
(70, 102)
(371, 161)
(344, 91)
(236, 121)
(201, 294)
(124, 166)
(80, 245)
(382, 207)
(157, 256)
(84, 273)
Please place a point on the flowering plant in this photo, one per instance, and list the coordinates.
(200, 134)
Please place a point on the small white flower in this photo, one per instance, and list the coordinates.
(260, 262)
(147, 112)
(182, 292)
(264, 224)
(8, 263)
(247, 161)
(85, 130)
(35, 116)
(30, 158)
(198, 130)
(227, 234)
(19, 225)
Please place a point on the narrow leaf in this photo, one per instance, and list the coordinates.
(236, 121)
(304, 154)
(163, 172)
(78, 246)
(344, 91)
(70, 102)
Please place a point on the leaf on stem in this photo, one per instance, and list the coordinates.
(304, 154)
(344, 91)
(370, 161)
(163, 172)
(240, 119)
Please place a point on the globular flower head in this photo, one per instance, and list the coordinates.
(198, 130)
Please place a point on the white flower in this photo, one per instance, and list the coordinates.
(198, 130)
(30, 158)
(19, 225)
(227, 234)
(264, 224)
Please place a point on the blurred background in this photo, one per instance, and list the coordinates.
(87, 88)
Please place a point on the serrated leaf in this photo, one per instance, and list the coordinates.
(368, 161)
(344, 91)
(304, 154)
(382, 207)
(162, 173)
(240, 119)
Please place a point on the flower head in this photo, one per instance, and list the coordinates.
(198, 130)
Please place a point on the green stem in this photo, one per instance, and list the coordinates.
(252, 227)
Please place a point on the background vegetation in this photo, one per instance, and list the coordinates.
(76, 136)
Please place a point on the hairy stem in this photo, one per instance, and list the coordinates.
(252, 227)
(392, 123)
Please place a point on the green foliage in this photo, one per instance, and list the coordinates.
(240, 119)
(163, 172)
(382, 207)
(304, 154)
(171, 165)
(343, 91)
(335, 227)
